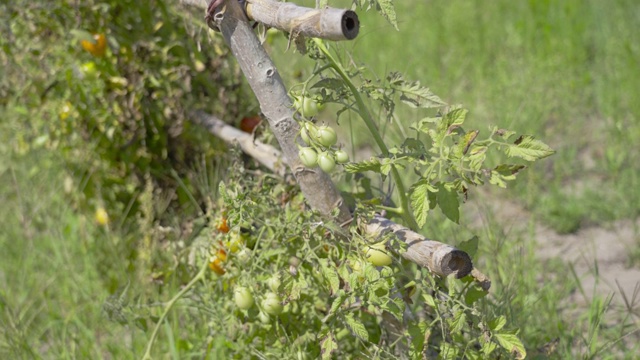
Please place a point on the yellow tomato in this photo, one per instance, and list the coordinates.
(377, 255)
(101, 216)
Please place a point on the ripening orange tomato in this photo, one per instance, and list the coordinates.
(216, 263)
(222, 225)
(98, 47)
(216, 266)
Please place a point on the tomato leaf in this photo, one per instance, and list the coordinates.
(419, 197)
(448, 202)
(328, 345)
(528, 148)
(356, 327)
(509, 341)
(412, 93)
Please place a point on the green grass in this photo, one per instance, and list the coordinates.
(51, 292)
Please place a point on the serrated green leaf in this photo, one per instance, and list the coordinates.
(330, 274)
(448, 351)
(341, 296)
(412, 93)
(372, 164)
(419, 197)
(498, 323)
(448, 202)
(458, 321)
(488, 348)
(327, 346)
(371, 273)
(528, 148)
(469, 246)
(429, 300)
(356, 327)
(454, 117)
(418, 334)
(388, 11)
(510, 342)
(474, 294)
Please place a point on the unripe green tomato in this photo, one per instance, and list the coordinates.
(305, 136)
(243, 298)
(309, 107)
(377, 255)
(326, 162)
(274, 283)
(326, 136)
(308, 157)
(341, 156)
(264, 318)
(272, 304)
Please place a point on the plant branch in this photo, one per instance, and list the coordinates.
(154, 335)
(439, 258)
(370, 123)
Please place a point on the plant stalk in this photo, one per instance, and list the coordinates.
(368, 120)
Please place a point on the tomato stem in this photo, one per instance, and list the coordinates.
(371, 125)
(167, 308)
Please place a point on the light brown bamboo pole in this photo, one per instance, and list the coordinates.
(328, 23)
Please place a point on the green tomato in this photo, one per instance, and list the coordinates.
(274, 283)
(326, 136)
(341, 156)
(326, 162)
(309, 107)
(243, 298)
(305, 136)
(377, 255)
(272, 304)
(308, 157)
(264, 318)
(306, 106)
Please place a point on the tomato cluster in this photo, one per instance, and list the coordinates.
(320, 139)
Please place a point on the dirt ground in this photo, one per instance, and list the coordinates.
(603, 250)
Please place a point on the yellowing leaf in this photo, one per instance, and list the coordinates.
(509, 341)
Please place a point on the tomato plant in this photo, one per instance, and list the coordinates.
(272, 304)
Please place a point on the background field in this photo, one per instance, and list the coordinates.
(564, 71)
